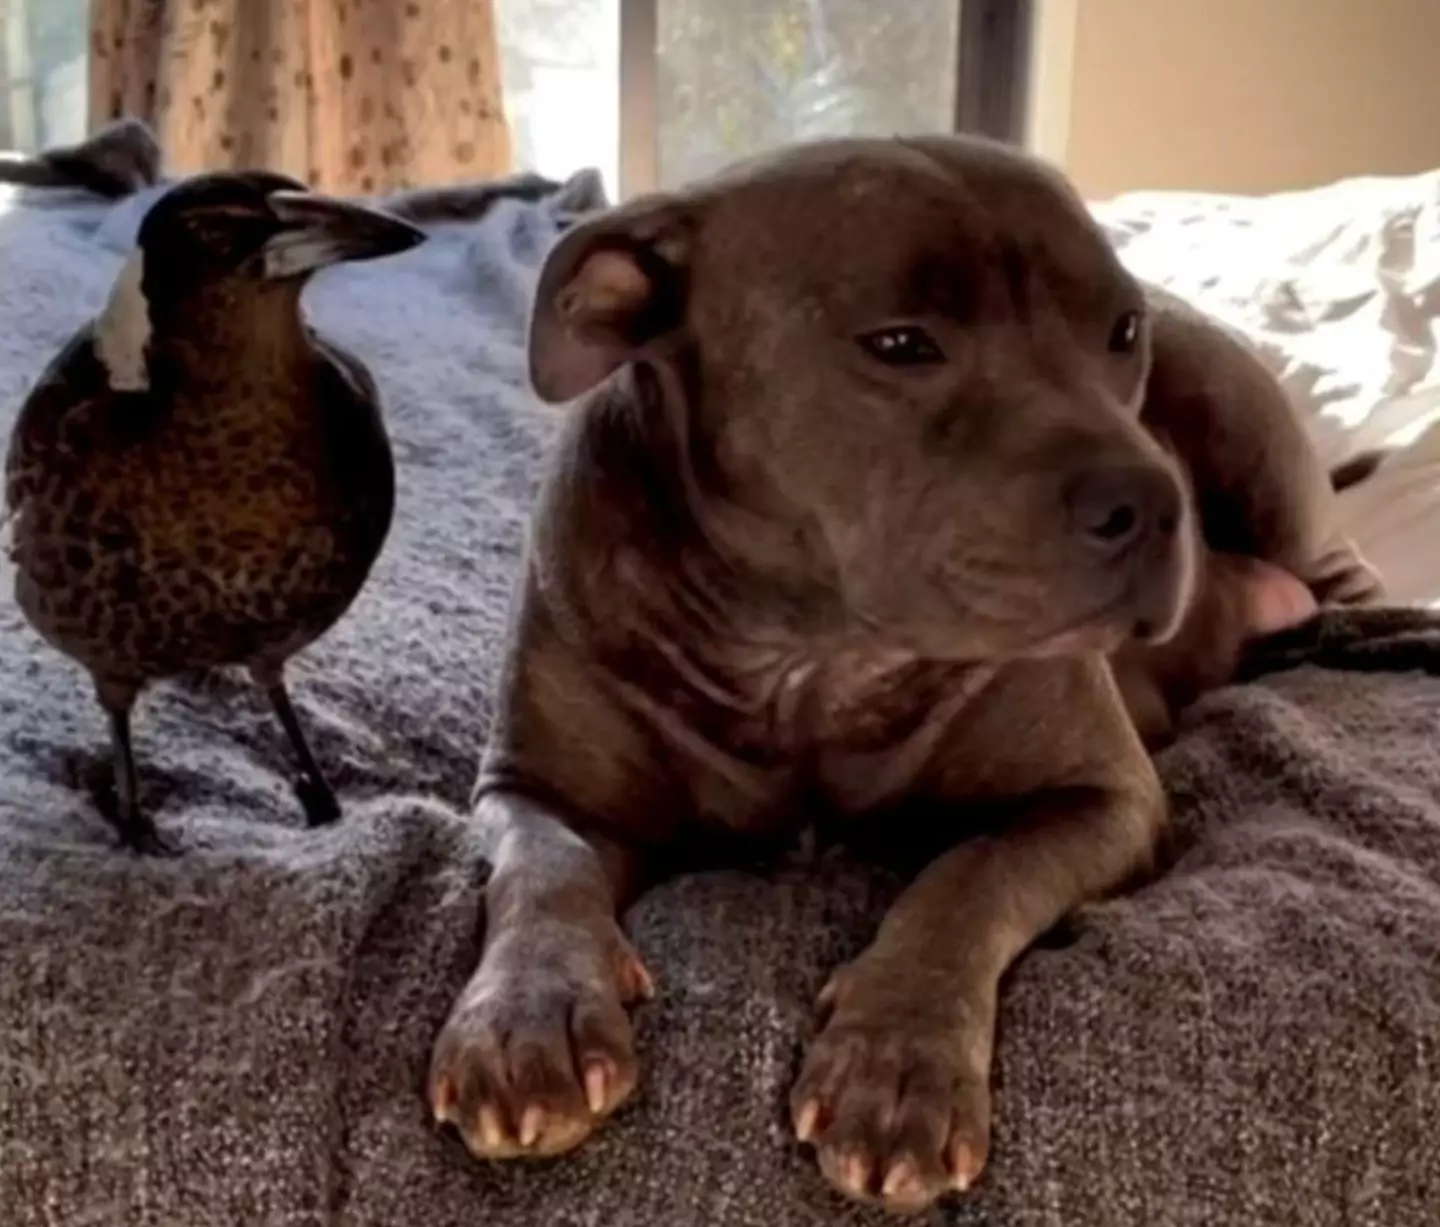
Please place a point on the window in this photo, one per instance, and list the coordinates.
(657, 91)
(745, 75)
(42, 72)
(561, 60)
(652, 92)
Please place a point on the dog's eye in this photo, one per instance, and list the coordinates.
(903, 345)
(1126, 333)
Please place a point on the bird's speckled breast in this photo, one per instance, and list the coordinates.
(233, 528)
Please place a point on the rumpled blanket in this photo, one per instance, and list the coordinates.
(241, 1035)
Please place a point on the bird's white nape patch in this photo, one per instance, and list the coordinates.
(122, 333)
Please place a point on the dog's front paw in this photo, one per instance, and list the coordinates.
(538, 1050)
(894, 1095)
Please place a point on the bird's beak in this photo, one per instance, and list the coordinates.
(320, 231)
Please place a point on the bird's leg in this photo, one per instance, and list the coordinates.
(136, 829)
(316, 795)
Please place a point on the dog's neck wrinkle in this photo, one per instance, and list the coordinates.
(636, 475)
(762, 659)
(800, 705)
(752, 541)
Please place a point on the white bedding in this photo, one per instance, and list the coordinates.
(1340, 289)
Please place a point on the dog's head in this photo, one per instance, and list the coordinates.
(922, 361)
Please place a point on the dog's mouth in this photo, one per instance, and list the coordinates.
(1149, 608)
(991, 611)
(1102, 630)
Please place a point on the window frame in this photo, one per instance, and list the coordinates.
(19, 82)
(991, 79)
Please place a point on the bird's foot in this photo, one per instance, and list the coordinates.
(137, 832)
(143, 838)
(317, 798)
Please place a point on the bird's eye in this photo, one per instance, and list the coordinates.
(902, 345)
(1125, 336)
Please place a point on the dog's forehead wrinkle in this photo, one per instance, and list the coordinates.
(943, 252)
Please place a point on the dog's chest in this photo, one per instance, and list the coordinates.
(854, 699)
(846, 733)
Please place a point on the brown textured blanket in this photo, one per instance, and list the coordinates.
(240, 1037)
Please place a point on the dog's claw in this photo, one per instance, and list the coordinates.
(903, 1183)
(531, 1123)
(492, 1133)
(827, 997)
(636, 982)
(965, 1165)
(597, 1087)
(807, 1120)
(442, 1102)
(854, 1173)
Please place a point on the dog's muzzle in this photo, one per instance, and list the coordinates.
(1131, 520)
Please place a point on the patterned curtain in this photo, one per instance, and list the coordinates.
(351, 96)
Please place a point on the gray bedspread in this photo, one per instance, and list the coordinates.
(240, 1037)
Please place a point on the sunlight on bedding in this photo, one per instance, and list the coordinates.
(1339, 289)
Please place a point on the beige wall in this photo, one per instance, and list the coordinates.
(1242, 95)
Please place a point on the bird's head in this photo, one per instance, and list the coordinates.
(223, 236)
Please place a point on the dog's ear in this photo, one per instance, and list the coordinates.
(610, 288)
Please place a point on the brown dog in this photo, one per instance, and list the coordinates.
(890, 468)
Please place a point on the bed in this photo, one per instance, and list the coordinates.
(240, 1036)
(1339, 289)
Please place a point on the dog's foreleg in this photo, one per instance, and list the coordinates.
(895, 1089)
(538, 1050)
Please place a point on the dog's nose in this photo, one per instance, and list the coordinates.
(1114, 509)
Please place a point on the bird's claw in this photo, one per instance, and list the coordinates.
(144, 839)
(317, 798)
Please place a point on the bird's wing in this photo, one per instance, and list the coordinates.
(348, 368)
(350, 401)
(73, 415)
(72, 387)
(357, 446)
